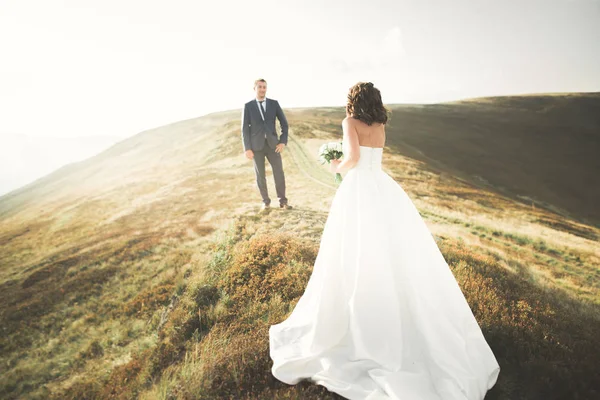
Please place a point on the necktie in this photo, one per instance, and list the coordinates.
(262, 106)
(264, 112)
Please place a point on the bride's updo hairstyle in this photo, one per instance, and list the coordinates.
(364, 103)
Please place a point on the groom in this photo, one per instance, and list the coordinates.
(260, 140)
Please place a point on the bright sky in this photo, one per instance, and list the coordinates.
(79, 68)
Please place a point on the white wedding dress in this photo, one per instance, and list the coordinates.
(382, 316)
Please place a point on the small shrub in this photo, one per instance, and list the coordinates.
(266, 265)
(148, 300)
(206, 296)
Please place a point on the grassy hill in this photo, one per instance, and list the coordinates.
(540, 149)
(148, 271)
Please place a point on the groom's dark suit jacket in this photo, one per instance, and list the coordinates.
(254, 129)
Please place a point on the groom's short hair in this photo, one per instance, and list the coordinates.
(258, 80)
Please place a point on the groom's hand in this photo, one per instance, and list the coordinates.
(249, 154)
(279, 147)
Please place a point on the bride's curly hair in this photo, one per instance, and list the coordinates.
(364, 103)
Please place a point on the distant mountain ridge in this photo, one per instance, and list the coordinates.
(23, 158)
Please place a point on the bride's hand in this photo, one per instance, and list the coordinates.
(334, 163)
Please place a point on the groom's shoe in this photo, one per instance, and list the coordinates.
(265, 206)
(285, 206)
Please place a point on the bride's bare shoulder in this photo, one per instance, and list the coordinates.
(350, 124)
(349, 120)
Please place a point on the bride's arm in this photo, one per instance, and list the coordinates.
(351, 136)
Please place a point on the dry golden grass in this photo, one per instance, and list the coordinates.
(149, 271)
(215, 344)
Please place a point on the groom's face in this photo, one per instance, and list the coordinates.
(261, 90)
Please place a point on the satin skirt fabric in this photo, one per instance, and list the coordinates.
(382, 316)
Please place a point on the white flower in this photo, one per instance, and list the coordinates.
(327, 150)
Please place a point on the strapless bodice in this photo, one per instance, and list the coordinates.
(370, 158)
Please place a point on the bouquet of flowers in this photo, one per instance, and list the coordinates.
(331, 151)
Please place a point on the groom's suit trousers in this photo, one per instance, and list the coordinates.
(277, 167)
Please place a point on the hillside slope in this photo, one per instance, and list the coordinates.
(117, 273)
(541, 149)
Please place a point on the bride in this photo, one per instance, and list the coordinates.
(382, 316)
